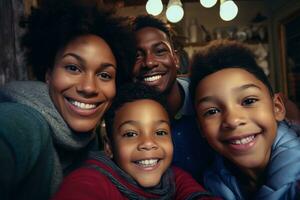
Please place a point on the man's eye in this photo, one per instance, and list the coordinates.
(161, 133)
(161, 51)
(72, 68)
(130, 134)
(211, 111)
(249, 101)
(104, 76)
(139, 55)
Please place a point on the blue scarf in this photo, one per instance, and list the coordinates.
(282, 173)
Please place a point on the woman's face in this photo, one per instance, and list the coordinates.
(82, 81)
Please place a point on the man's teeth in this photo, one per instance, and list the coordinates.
(148, 163)
(152, 78)
(82, 105)
(243, 140)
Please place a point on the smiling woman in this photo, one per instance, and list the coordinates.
(83, 53)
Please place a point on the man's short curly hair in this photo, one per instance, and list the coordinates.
(131, 92)
(144, 21)
(51, 26)
(223, 54)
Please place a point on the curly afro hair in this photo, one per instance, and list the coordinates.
(131, 92)
(51, 26)
(223, 54)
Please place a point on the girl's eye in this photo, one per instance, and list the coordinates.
(211, 111)
(130, 134)
(249, 101)
(72, 68)
(161, 133)
(104, 76)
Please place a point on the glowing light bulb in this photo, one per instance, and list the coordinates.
(174, 11)
(208, 3)
(228, 10)
(154, 7)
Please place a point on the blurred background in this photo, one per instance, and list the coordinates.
(271, 28)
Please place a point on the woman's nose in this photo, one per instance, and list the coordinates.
(88, 85)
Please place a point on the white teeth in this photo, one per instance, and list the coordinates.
(82, 105)
(243, 140)
(148, 163)
(152, 78)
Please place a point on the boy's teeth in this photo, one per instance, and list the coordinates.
(243, 140)
(82, 105)
(152, 78)
(148, 163)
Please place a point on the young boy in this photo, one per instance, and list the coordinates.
(138, 153)
(242, 119)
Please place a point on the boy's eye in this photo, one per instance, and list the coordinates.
(104, 76)
(130, 134)
(72, 68)
(249, 101)
(211, 111)
(161, 132)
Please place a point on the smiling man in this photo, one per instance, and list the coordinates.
(156, 65)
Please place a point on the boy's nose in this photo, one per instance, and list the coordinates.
(147, 143)
(233, 118)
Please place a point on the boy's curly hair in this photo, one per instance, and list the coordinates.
(223, 54)
(51, 26)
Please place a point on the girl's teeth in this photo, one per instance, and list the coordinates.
(83, 105)
(243, 140)
(152, 78)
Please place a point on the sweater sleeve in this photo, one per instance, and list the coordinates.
(86, 183)
(188, 188)
(25, 157)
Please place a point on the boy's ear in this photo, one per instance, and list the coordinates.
(279, 107)
(107, 147)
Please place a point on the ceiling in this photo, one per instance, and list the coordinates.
(122, 3)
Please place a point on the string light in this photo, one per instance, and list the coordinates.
(154, 7)
(174, 11)
(228, 10)
(208, 3)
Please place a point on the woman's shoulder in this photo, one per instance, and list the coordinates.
(21, 124)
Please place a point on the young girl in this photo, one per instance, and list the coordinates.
(242, 119)
(138, 155)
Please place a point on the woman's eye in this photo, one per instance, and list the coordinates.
(249, 101)
(130, 134)
(161, 133)
(72, 68)
(211, 111)
(104, 76)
